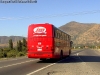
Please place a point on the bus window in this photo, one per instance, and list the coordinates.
(57, 35)
(65, 37)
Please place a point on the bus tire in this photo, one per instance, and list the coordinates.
(69, 52)
(61, 54)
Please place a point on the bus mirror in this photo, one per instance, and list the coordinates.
(71, 42)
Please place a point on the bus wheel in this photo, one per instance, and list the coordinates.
(69, 52)
(61, 54)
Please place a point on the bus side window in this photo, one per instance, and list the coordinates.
(55, 33)
(65, 37)
(62, 36)
(58, 35)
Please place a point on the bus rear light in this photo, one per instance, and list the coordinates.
(32, 46)
(47, 46)
(39, 43)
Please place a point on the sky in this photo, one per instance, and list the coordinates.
(16, 17)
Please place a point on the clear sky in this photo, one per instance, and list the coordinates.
(40, 12)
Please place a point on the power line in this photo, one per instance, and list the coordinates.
(51, 16)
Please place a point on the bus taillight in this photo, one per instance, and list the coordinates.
(47, 46)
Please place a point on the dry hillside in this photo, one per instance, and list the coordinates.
(83, 33)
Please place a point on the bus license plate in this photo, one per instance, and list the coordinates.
(39, 49)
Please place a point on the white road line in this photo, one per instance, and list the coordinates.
(80, 58)
(40, 69)
(18, 63)
(44, 67)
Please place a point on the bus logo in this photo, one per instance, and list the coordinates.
(40, 30)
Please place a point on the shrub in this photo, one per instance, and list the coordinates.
(1, 55)
(11, 53)
(21, 54)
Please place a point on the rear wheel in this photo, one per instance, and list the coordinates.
(61, 54)
(69, 52)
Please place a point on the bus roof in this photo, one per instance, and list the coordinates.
(61, 30)
(49, 24)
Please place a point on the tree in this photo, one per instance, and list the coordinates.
(24, 46)
(24, 42)
(1, 53)
(19, 45)
(10, 44)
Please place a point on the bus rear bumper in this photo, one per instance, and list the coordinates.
(41, 55)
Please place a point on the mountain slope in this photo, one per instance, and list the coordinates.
(83, 33)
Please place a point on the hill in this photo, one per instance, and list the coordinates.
(4, 40)
(83, 33)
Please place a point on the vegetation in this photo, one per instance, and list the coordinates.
(19, 50)
(10, 44)
(86, 46)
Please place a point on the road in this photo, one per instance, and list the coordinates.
(81, 62)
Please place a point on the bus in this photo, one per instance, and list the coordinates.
(45, 41)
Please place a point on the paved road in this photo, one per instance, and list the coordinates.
(81, 62)
(20, 66)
